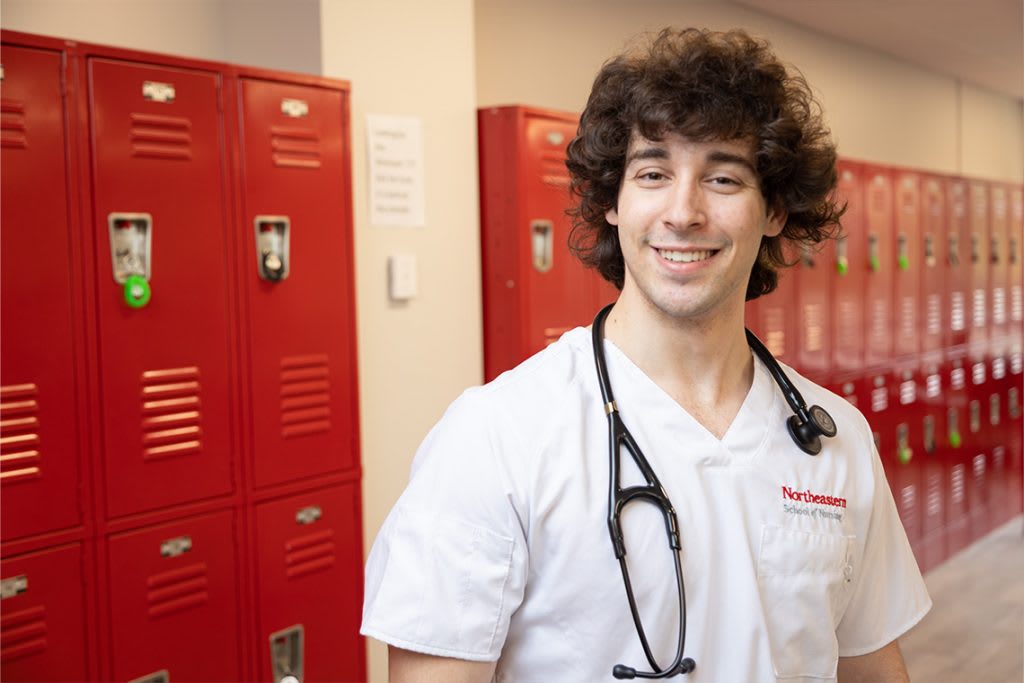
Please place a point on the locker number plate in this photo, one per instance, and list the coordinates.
(308, 515)
(294, 108)
(176, 546)
(158, 92)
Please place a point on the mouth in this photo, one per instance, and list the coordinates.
(686, 256)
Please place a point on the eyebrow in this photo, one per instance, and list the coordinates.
(715, 157)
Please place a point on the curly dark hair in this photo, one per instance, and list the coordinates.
(705, 85)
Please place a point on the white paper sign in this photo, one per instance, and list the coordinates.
(395, 146)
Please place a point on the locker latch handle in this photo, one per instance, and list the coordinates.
(952, 419)
(842, 260)
(131, 236)
(286, 657)
(542, 240)
(904, 452)
(954, 250)
(873, 260)
(1013, 251)
(975, 249)
(994, 251)
(929, 250)
(929, 434)
(272, 247)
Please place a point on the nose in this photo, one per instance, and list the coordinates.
(685, 207)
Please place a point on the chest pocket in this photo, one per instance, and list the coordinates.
(804, 579)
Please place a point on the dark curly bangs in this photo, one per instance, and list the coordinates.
(705, 85)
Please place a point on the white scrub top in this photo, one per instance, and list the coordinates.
(499, 547)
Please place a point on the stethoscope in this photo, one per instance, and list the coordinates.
(806, 426)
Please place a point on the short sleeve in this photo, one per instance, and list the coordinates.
(889, 597)
(447, 569)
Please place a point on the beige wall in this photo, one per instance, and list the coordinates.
(275, 34)
(415, 59)
(879, 108)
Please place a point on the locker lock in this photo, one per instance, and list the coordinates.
(953, 420)
(994, 251)
(954, 250)
(873, 259)
(842, 261)
(929, 434)
(130, 243)
(902, 258)
(272, 247)
(929, 251)
(904, 452)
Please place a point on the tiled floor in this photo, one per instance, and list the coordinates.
(975, 630)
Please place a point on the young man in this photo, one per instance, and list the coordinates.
(696, 157)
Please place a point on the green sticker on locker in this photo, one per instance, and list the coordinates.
(842, 266)
(904, 263)
(875, 264)
(954, 438)
(905, 455)
(136, 291)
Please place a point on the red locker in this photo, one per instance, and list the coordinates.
(904, 456)
(959, 266)
(907, 265)
(173, 600)
(812, 277)
(296, 214)
(958, 463)
(933, 461)
(309, 571)
(978, 221)
(42, 626)
(978, 445)
(40, 447)
(850, 253)
(534, 288)
(1015, 332)
(773, 317)
(999, 269)
(878, 317)
(934, 266)
(159, 216)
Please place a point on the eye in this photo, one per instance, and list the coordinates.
(724, 180)
(651, 176)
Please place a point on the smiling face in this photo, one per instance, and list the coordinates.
(690, 218)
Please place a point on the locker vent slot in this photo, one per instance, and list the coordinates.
(161, 137)
(305, 395)
(171, 417)
(23, 633)
(553, 171)
(19, 433)
(308, 554)
(12, 125)
(177, 590)
(295, 147)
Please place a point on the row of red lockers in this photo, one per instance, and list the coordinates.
(179, 452)
(914, 314)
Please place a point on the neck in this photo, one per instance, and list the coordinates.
(703, 362)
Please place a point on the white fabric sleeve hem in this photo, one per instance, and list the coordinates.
(427, 649)
(878, 645)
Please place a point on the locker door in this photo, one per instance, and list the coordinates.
(878, 317)
(302, 317)
(849, 276)
(776, 323)
(814, 312)
(980, 270)
(39, 451)
(904, 457)
(158, 183)
(934, 265)
(561, 292)
(906, 267)
(309, 562)
(959, 267)
(999, 268)
(959, 438)
(42, 626)
(173, 602)
(932, 462)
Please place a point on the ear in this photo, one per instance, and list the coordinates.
(612, 216)
(776, 222)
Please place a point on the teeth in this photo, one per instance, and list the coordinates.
(685, 256)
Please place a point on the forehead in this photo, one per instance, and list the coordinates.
(674, 144)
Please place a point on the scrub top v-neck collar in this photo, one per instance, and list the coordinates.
(748, 433)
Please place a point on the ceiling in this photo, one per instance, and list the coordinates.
(979, 41)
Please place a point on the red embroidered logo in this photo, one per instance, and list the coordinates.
(811, 497)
